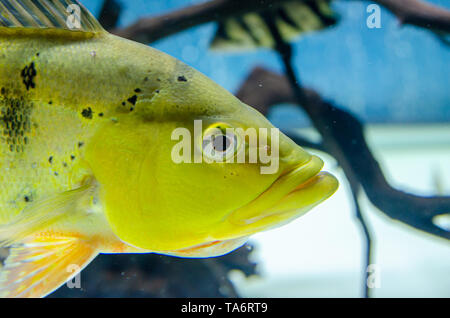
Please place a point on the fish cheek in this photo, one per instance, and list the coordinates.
(215, 190)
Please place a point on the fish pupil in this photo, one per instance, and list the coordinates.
(221, 143)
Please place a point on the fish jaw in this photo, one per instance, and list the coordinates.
(293, 194)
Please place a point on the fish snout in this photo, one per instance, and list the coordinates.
(293, 193)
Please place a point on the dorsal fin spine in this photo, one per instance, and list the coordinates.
(48, 14)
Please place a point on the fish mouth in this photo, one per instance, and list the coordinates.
(292, 194)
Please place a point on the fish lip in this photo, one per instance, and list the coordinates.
(287, 182)
(314, 161)
(315, 164)
(309, 184)
(305, 183)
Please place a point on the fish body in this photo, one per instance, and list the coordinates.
(86, 145)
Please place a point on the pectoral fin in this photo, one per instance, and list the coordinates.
(46, 212)
(41, 259)
(39, 265)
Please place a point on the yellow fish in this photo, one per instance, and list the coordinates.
(93, 127)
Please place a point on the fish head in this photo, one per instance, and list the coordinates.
(215, 170)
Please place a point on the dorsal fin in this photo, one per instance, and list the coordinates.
(47, 14)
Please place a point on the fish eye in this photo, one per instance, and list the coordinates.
(219, 142)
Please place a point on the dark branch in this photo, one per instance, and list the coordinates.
(419, 13)
(109, 14)
(368, 240)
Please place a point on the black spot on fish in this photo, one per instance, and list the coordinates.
(28, 74)
(3, 91)
(50, 159)
(50, 102)
(87, 113)
(123, 103)
(37, 54)
(132, 100)
(27, 198)
(137, 90)
(72, 157)
(158, 79)
(15, 123)
(80, 144)
(100, 115)
(65, 164)
(56, 174)
(182, 79)
(157, 91)
(146, 79)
